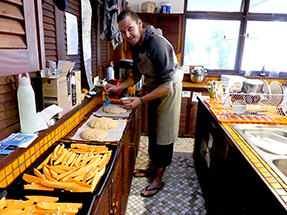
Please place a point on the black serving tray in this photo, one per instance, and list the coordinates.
(16, 189)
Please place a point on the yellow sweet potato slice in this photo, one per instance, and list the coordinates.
(60, 158)
(39, 174)
(57, 185)
(60, 151)
(8, 211)
(79, 189)
(46, 161)
(37, 187)
(18, 204)
(82, 184)
(79, 177)
(2, 202)
(55, 212)
(68, 173)
(31, 178)
(56, 169)
(103, 161)
(91, 147)
(67, 157)
(38, 199)
(65, 168)
(78, 160)
(30, 208)
(80, 151)
(47, 173)
(59, 205)
(26, 213)
(54, 174)
(56, 150)
(86, 160)
(70, 160)
(96, 179)
(10, 202)
(74, 161)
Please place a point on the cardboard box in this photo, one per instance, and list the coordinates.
(58, 90)
(148, 7)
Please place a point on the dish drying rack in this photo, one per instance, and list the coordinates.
(255, 104)
(257, 108)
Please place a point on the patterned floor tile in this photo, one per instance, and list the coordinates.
(181, 194)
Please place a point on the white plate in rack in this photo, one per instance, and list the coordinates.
(277, 93)
(265, 98)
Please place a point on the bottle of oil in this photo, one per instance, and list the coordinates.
(74, 88)
(26, 105)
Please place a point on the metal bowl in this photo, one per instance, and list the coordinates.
(197, 77)
(252, 86)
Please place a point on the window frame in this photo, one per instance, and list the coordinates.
(243, 16)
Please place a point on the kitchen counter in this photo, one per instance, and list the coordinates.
(114, 195)
(223, 158)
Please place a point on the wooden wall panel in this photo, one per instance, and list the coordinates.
(9, 117)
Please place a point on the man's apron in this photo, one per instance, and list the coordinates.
(163, 112)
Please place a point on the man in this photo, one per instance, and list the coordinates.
(154, 57)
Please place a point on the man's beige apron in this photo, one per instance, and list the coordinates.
(164, 112)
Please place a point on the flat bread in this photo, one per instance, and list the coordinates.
(113, 109)
(94, 134)
(103, 122)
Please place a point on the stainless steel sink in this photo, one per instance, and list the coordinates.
(267, 138)
(270, 142)
(281, 164)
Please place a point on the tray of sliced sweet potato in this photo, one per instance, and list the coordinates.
(14, 203)
(77, 170)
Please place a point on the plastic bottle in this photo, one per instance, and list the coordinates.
(26, 105)
(110, 71)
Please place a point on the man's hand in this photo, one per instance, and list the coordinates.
(110, 88)
(135, 101)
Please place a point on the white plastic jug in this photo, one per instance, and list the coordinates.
(26, 105)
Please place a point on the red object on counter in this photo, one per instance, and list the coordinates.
(116, 82)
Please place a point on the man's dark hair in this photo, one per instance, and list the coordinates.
(127, 12)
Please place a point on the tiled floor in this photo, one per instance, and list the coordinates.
(181, 194)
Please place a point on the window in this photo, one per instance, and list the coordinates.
(236, 35)
(207, 46)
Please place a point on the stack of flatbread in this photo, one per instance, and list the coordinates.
(99, 127)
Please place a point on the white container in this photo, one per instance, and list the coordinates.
(110, 72)
(165, 7)
(26, 105)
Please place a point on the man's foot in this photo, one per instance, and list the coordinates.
(149, 192)
(142, 173)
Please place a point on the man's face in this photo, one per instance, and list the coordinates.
(130, 30)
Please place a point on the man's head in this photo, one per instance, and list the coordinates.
(131, 27)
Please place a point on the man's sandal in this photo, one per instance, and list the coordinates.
(157, 189)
